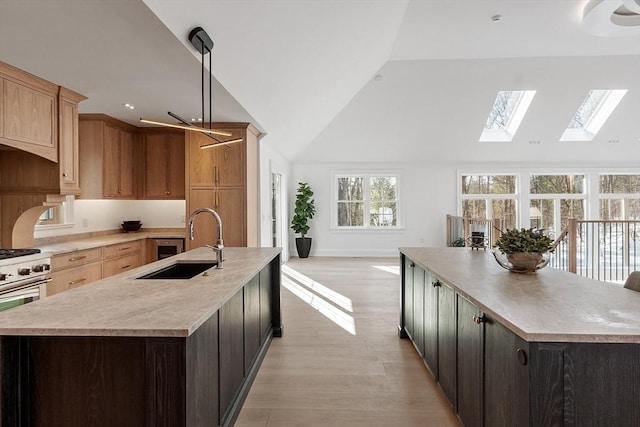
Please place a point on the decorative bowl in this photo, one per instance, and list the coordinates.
(131, 226)
(522, 262)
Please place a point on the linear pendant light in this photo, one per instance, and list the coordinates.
(203, 44)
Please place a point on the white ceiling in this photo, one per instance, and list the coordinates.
(290, 67)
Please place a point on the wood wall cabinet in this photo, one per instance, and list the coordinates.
(163, 164)
(107, 154)
(29, 112)
(224, 178)
(69, 154)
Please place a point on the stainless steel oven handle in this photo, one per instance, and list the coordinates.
(25, 286)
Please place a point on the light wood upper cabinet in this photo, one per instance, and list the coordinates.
(163, 164)
(69, 160)
(29, 113)
(223, 166)
(107, 152)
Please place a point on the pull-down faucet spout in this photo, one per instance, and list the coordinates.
(219, 247)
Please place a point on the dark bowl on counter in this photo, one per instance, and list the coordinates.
(131, 226)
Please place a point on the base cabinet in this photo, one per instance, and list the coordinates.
(494, 378)
(200, 380)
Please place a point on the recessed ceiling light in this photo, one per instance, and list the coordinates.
(129, 106)
(496, 18)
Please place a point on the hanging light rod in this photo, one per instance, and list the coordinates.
(203, 44)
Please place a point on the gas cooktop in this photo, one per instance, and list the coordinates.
(13, 253)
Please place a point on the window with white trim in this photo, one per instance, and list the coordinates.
(490, 197)
(619, 196)
(366, 201)
(554, 199)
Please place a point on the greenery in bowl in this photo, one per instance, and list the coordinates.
(524, 240)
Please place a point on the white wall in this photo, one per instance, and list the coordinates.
(428, 194)
(271, 162)
(99, 215)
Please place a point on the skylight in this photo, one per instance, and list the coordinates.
(593, 112)
(506, 115)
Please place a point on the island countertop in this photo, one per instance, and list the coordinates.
(122, 305)
(548, 306)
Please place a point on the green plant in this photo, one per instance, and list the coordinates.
(304, 209)
(524, 240)
(458, 243)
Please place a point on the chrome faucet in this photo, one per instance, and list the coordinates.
(219, 247)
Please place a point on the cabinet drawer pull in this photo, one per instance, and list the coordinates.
(478, 319)
(75, 282)
(78, 258)
(125, 266)
(436, 284)
(125, 249)
(522, 356)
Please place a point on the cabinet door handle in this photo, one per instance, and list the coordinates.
(216, 176)
(216, 200)
(78, 258)
(75, 282)
(65, 175)
(522, 356)
(412, 265)
(478, 319)
(436, 284)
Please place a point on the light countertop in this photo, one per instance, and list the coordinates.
(548, 306)
(105, 240)
(120, 305)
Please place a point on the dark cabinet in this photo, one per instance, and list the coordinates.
(252, 335)
(407, 309)
(431, 285)
(418, 309)
(469, 354)
(506, 376)
(447, 341)
(231, 352)
(266, 298)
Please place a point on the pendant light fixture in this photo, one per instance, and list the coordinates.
(203, 44)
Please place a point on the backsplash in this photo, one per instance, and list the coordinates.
(99, 215)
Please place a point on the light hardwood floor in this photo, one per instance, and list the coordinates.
(340, 361)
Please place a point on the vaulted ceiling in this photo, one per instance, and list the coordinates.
(303, 71)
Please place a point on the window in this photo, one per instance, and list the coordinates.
(366, 201)
(57, 216)
(506, 115)
(555, 199)
(490, 197)
(591, 115)
(619, 197)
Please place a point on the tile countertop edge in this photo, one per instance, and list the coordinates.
(122, 305)
(107, 239)
(476, 294)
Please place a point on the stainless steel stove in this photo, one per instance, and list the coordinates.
(23, 276)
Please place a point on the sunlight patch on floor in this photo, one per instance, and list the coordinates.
(393, 269)
(302, 287)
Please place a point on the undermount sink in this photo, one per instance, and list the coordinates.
(181, 270)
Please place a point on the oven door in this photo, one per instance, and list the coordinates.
(23, 294)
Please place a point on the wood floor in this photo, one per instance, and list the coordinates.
(340, 361)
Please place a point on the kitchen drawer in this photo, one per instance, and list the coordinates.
(120, 249)
(75, 259)
(74, 277)
(124, 263)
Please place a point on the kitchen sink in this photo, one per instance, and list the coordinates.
(180, 270)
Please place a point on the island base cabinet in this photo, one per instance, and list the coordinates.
(447, 342)
(469, 363)
(231, 352)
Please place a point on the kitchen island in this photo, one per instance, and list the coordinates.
(143, 352)
(507, 349)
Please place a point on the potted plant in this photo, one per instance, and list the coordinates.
(302, 213)
(526, 250)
